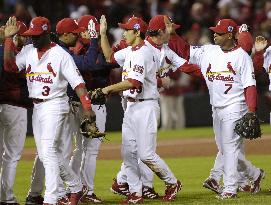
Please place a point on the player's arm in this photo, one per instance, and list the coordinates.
(249, 83)
(258, 58)
(121, 86)
(12, 64)
(107, 50)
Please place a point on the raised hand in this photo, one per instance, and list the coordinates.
(168, 24)
(92, 29)
(11, 27)
(260, 43)
(103, 25)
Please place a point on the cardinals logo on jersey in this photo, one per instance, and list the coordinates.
(28, 70)
(231, 68)
(208, 69)
(50, 69)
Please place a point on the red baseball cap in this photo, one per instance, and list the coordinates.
(38, 25)
(135, 23)
(83, 21)
(68, 25)
(22, 27)
(157, 22)
(225, 26)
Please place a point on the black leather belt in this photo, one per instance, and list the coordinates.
(130, 99)
(37, 100)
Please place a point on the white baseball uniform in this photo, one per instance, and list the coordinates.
(164, 55)
(47, 80)
(227, 74)
(140, 121)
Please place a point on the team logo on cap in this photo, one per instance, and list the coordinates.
(44, 27)
(137, 26)
(31, 25)
(230, 28)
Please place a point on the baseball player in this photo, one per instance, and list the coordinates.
(48, 70)
(232, 88)
(85, 154)
(68, 32)
(14, 102)
(139, 86)
(120, 186)
(245, 41)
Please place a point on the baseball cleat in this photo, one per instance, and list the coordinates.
(34, 200)
(245, 188)
(149, 193)
(63, 200)
(171, 191)
(212, 184)
(91, 198)
(133, 199)
(226, 195)
(256, 185)
(76, 197)
(122, 189)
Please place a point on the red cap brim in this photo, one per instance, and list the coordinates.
(216, 29)
(31, 32)
(124, 26)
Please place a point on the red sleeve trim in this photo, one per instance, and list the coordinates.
(86, 103)
(81, 85)
(135, 83)
(251, 98)
(112, 59)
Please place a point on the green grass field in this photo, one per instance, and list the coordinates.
(191, 171)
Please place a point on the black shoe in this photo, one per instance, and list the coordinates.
(34, 200)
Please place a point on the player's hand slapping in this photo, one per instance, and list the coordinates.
(11, 27)
(92, 29)
(168, 24)
(260, 43)
(103, 25)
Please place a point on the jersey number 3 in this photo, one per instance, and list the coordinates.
(46, 91)
(228, 89)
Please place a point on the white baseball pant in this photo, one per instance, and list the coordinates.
(13, 126)
(48, 120)
(230, 144)
(139, 131)
(85, 154)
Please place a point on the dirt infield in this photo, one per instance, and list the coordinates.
(177, 148)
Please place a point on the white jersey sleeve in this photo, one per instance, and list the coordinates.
(267, 59)
(120, 56)
(138, 67)
(70, 71)
(175, 60)
(247, 71)
(197, 53)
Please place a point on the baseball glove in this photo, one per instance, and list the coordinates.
(248, 126)
(97, 97)
(89, 130)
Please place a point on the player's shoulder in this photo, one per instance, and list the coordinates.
(268, 50)
(27, 48)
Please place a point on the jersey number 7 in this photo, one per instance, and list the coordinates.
(228, 89)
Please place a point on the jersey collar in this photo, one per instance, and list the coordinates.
(154, 44)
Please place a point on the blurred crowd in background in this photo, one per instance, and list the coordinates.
(194, 16)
